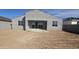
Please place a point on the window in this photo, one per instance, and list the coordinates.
(54, 23)
(33, 26)
(77, 22)
(20, 23)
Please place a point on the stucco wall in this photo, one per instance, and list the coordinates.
(38, 16)
(5, 25)
(58, 27)
(41, 16)
(15, 23)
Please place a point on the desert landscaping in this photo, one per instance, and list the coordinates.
(38, 40)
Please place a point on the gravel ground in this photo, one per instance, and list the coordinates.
(38, 40)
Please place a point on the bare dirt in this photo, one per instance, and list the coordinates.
(46, 40)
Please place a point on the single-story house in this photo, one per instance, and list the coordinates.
(5, 23)
(37, 19)
(71, 24)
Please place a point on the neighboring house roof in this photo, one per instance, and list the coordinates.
(5, 19)
(71, 19)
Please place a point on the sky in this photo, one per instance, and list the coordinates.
(62, 13)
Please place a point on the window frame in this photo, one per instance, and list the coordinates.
(20, 23)
(55, 23)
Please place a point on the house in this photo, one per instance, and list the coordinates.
(37, 19)
(5, 23)
(71, 24)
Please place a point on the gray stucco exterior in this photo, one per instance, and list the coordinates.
(37, 15)
(15, 23)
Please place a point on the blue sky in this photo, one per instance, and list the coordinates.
(63, 13)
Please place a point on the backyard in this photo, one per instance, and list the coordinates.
(42, 40)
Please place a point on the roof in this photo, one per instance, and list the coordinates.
(5, 19)
(71, 19)
(39, 14)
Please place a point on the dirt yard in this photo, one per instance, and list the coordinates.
(45, 40)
